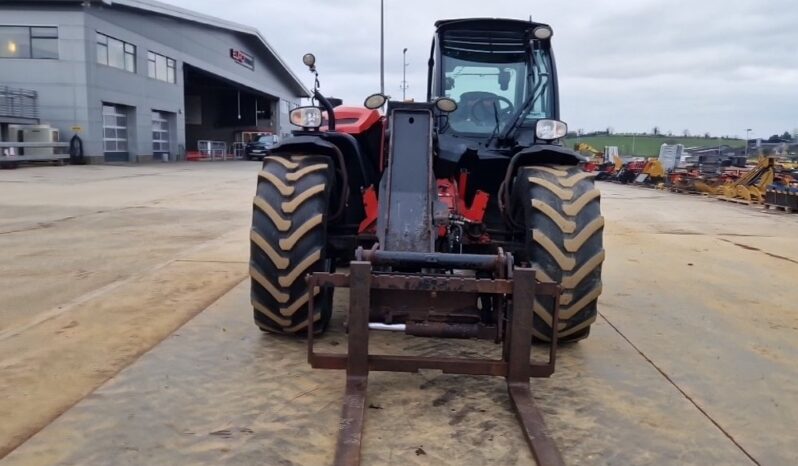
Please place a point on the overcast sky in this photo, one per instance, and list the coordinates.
(716, 66)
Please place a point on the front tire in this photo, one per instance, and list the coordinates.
(289, 240)
(564, 244)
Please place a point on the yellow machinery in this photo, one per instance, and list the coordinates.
(751, 186)
(618, 161)
(654, 169)
(786, 165)
(704, 187)
(598, 156)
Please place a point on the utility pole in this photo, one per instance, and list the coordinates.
(747, 132)
(382, 47)
(404, 74)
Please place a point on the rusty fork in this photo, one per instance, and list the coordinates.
(515, 364)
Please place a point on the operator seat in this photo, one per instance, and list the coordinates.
(467, 101)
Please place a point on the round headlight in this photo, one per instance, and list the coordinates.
(306, 117)
(309, 60)
(375, 101)
(549, 130)
(446, 104)
(542, 32)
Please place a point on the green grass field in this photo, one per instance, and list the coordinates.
(649, 145)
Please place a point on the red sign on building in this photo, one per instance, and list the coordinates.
(243, 58)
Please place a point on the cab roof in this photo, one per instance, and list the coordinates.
(464, 23)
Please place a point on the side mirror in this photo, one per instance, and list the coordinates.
(504, 79)
(448, 84)
(335, 102)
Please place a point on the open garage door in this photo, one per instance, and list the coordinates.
(221, 111)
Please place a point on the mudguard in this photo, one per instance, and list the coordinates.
(539, 154)
(316, 144)
(548, 154)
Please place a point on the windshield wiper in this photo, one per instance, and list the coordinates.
(522, 112)
(495, 128)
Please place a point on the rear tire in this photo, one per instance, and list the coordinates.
(289, 240)
(563, 230)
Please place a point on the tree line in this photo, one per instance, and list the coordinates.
(656, 131)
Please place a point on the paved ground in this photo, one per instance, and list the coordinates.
(99, 264)
(691, 362)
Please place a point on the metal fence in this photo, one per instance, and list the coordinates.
(213, 150)
(18, 103)
(238, 149)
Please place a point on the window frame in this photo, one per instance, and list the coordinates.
(129, 52)
(151, 64)
(169, 67)
(36, 36)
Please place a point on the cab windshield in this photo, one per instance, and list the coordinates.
(492, 84)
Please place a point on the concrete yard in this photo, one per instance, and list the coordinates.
(99, 264)
(691, 361)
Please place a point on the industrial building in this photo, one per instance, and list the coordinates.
(139, 80)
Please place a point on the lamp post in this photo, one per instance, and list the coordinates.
(404, 73)
(382, 47)
(747, 131)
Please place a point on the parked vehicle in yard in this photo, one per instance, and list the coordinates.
(260, 147)
(462, 217)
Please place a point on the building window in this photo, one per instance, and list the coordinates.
(160, 133)
(116, 53)
(114, 129)
(28, 42)
(160, 67)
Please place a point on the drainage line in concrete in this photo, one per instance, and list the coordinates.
(688, 397)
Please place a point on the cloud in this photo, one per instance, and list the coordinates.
(713, 65)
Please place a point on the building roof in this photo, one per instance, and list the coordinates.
(165, 9)
(152, 6)
(713, 147)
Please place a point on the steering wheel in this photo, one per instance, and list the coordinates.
(482, 109)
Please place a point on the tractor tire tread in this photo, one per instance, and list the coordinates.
(288, 241)
(564, 228)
